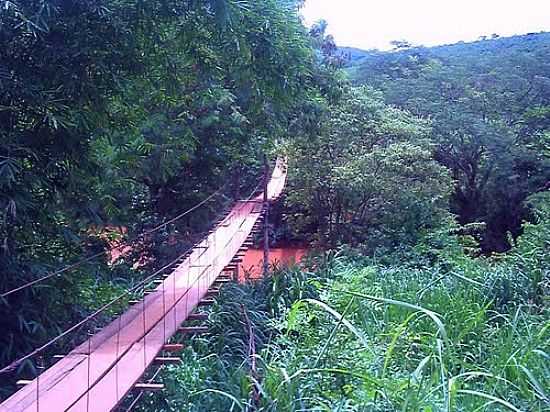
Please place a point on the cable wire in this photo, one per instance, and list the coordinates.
(120, 243)
(143, 282)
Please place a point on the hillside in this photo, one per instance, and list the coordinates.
(527, 43)
(489, 104)
(355, 55)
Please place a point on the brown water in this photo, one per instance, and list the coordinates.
(252, 264)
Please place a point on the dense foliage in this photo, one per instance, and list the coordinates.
(418, 320)
(489, 105)
(346, 181)
(116, 115)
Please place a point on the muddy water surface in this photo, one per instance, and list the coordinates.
(251, 266)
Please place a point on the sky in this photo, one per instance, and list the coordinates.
(371, 24)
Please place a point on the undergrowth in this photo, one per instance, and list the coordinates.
(439, 331)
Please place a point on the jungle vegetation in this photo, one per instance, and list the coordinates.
(432, 329)
(488, 103)
(124, 114)
(419, 178)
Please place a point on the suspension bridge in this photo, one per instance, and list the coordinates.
(97, 375)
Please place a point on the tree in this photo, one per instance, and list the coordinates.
(401, 44)
(367, 178)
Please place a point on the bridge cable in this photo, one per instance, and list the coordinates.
(38, 350)
(187, 291)
(117, 244)
(17, 362)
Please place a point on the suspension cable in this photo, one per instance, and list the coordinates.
(119, 243)
(17, 362)
(187, 291)
(95, 314)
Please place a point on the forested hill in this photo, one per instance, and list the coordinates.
(489, 103)
(465, 51)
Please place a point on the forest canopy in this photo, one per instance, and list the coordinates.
(488, 103)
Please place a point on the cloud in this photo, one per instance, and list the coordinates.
(373, 24)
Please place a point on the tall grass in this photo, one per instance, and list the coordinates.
(347, 333)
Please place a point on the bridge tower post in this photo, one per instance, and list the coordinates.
(266, 218)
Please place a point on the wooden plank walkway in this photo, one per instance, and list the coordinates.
(98, 374)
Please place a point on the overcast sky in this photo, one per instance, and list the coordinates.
(374, 23)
